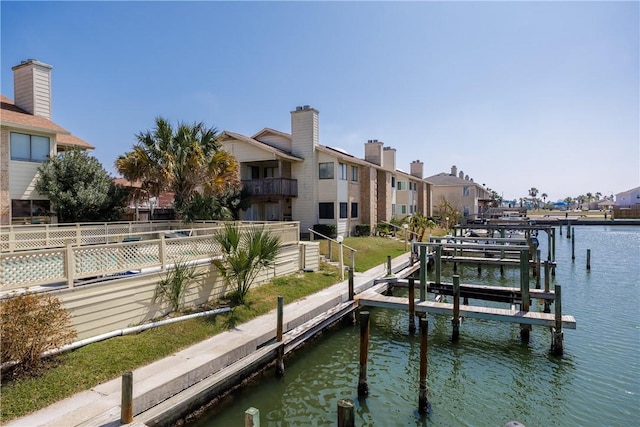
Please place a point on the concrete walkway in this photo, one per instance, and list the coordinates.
(157, 382)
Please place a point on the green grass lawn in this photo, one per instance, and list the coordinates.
(96, 363)
(370, 251)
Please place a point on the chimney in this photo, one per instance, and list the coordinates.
(417, 169)
(454, 170)
(466, 177)
(32, 87)
(461, 175)
(304, 131)
(389, 158)
(373, 152)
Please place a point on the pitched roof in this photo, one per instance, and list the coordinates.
(260, 145)
(446, 179)
(14, 116)
(269, 131)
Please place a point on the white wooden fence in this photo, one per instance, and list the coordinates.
(45, 255)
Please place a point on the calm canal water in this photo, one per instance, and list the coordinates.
(489, 377)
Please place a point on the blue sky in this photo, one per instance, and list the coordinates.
(515, 94)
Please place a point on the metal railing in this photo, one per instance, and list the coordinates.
(340, 254)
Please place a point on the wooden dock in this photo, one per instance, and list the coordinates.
(482, 292)
(372, 299)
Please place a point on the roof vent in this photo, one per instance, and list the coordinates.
(298, 108)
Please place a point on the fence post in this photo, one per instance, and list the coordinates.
(69, 263)
(163, 251)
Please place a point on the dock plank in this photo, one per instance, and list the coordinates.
(371, 299)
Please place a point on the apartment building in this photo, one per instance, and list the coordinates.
(291, 176)
(459, 190)
(27, 138)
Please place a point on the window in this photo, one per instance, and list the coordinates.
(402, 209)
(465, 190)
(354, 173)
(393, 182)
(28, 209)
(411, 209)
(255, 172)
(325, 170)
(343, 210)
(402, 185)
(342, 171)
(30, 148)
(325, 211)
(269, 172)
(393, 209)
(354, 210)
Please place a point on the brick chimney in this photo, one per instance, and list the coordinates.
(32, 87)
(389, 158)
(417, 169)
(373, 151)
(454, 170)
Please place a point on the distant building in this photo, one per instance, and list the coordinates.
(628, 198)
(294, 177)
(464, 195)
(27, 138)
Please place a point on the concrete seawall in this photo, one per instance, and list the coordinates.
(172, 387)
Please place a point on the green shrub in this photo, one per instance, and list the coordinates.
(31, 324)
(329, 230)
(363, 230)
(173, 287)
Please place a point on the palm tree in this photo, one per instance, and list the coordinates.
(187, 161)
(244, 253)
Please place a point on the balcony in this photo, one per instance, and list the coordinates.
(284, 187)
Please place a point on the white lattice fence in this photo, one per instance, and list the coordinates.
(110, 259)
(33, 268)
(191, 248)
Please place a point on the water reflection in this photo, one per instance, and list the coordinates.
(489, 377)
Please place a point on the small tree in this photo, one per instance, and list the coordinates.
(418, 224)
(80, 188)
(244, 253)
(31, 324)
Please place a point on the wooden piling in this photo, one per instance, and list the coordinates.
(537, 269)
(524, 292)
(573, 247)
(455, 321)
(557, 345)
(252, 417)
(568, 230)
(438, 270)
(547, 307)
(351, 284)
(363, 386)
(346, 413)
(588, 259)
(279, 328)
(423, 397)
(423, 273)
(479, 268)
(412, 305)
(126, 404)
(389, 271)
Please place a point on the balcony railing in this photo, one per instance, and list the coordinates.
(272, 187)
